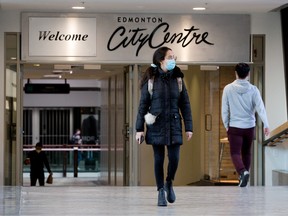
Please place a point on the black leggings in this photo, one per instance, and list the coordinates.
(159, 156)
(39, 175)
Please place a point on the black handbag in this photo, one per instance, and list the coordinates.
(49, 179)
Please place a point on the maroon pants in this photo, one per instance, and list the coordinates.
(240, 147)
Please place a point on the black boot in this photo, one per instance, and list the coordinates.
(161, 198)
(170, 192)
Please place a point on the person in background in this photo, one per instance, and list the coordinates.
(159, 109)
(240, 101)
(77, 140)
(37, 160)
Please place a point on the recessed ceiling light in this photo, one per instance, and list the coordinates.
(199, 8)
(62, 71)
(52, 76)
(78, 7)
(92, 66)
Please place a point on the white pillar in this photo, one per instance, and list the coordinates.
(36, 126)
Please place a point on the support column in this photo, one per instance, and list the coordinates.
(36, 126)
(284, 21)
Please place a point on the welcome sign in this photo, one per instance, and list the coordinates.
(62, 36)
(131, 38)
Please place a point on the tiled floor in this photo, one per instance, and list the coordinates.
(109, 200)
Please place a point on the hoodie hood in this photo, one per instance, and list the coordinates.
(241, 86)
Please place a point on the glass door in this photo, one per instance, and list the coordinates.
(212, 122)
(218, 164)
(113, 127)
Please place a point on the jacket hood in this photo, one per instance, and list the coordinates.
(241, 86)
(176, 72)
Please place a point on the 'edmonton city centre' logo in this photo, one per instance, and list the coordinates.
(140, 36)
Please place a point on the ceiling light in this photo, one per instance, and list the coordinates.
(79, 7)
(92, 67)
(199, 8)
(183, 67)
(62, 67)
(209, 67)
(62, 71)
(52, 76)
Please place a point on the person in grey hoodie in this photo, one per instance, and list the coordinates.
(240, 101)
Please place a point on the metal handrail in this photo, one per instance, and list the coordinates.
(278, 138)
(66, 148)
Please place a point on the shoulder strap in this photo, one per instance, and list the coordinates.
(180, 84)
(150, 86)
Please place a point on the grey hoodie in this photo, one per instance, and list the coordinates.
(240, 101)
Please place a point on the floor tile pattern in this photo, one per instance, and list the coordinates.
(134, 201)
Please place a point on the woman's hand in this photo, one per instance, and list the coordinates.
(189, 135)
(138, 136)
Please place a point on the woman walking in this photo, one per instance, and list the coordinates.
(163, 96)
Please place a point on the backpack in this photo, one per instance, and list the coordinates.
(151, 80)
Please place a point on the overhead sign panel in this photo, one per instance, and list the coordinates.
(133, 38)
(47, 88)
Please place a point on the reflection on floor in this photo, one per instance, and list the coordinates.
(83, 179)
(109, 200)
(203, 182)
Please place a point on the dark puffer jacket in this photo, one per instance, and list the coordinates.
(165, 103)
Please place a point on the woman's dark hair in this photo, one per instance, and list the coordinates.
(242, 70)
(158, 56)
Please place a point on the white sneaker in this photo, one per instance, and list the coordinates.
(244, 178)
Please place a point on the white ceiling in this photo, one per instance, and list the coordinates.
(144, 6)
(131, 6)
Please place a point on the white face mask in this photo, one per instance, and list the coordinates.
(170, 64)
